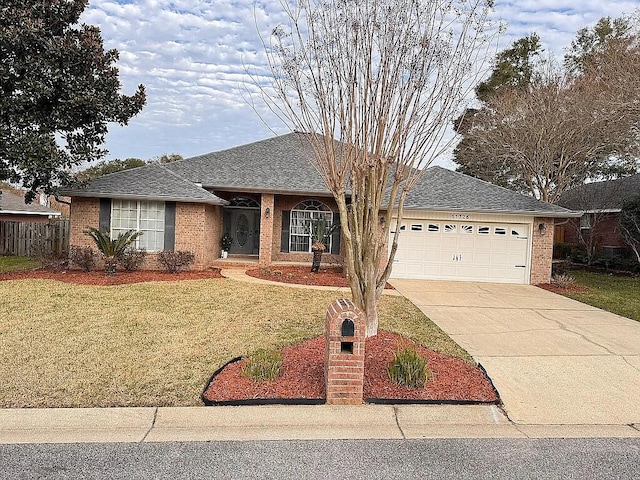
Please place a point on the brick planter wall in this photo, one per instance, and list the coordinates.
(344, 367)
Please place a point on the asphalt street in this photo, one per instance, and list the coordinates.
(352, 459)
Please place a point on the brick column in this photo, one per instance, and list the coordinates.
(266, 229)
(345, 342)
(542, 250)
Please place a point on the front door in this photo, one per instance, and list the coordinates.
(244, 229)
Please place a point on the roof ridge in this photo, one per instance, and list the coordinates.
(237, 147)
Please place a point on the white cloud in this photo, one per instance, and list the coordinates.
(191, 56)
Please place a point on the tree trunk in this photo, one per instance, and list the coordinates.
(317, 258)
(110, 266)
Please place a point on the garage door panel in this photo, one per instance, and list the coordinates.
(477, 251)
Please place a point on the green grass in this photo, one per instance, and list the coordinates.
(8, 264)
(615, 294)
(156, 344)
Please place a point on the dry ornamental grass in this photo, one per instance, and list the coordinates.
(157, 343)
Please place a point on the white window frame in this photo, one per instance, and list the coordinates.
(117, 205)
(300, 223)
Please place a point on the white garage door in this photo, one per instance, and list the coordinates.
(462, 250)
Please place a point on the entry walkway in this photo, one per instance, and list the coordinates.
(555, 361)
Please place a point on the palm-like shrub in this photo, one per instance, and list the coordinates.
(320, 231)
(111, 249)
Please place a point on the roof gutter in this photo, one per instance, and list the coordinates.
(154, 198)
(531, 213)
(22, 212)
(233, 188)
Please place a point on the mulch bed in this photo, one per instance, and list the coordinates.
(97, 277)
(563, 290)
(452, 379)
(301, 275)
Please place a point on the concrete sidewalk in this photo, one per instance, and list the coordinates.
(555, 361)
(279, 423)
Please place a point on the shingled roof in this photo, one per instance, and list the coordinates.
(150, 182)
(284, 165)
(11, 203)
(280, 164)
(608, 195)
(445, 190)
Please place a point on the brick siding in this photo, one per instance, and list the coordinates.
(85, 213)
(198, 229)
(607, 228)
(542, 251)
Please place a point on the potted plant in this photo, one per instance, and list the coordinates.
(225, 244)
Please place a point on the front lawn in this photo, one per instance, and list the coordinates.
(9, 264)
(615, 294)
(155, 344)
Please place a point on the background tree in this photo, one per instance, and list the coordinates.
(375, 84)
(563, 128)
(514, 68)
(630, 224)
(59, 90)
(592, 41)
(106, 167)
(167, 158)
(117, 165)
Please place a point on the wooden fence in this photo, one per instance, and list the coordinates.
(28, 239)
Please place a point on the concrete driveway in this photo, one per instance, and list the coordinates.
(555, 361)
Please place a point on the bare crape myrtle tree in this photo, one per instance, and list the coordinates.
(374, 84)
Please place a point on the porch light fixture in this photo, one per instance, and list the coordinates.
(267, 212)
(542, 228)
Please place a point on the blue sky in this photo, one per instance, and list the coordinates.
(191, 56)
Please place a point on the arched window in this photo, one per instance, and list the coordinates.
(243, 202)
(302, 216)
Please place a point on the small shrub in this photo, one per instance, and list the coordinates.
(175, 261)
(408, 368)
(562, 251)
(132, 259)
(266, 271)
(83, 257)
(563, 280)
(263, 365)
(48, 259)
(276, 273)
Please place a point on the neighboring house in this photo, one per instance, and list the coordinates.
(265, 194)
(13, 209)
(600, 204)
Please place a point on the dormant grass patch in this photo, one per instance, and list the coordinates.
(156, 344)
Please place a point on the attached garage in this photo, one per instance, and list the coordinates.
(456, 227)
(438, 248)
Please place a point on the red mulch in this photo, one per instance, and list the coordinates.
(326, 276)
(552, 287)
(99, 278)
(303, 376)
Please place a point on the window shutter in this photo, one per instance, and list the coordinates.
(104, 218)
(169, 225)
(284, 237)
(335, 236)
